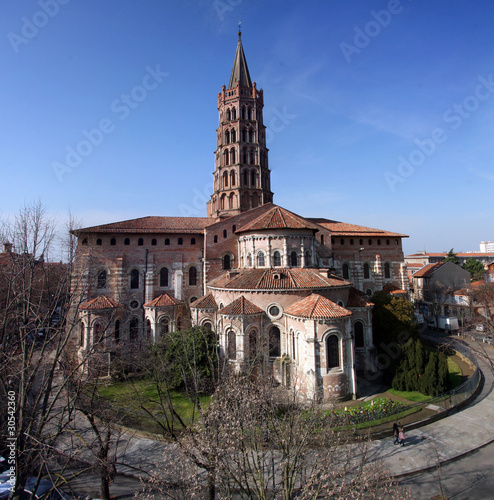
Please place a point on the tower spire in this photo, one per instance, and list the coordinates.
(240, 71)
(241, 174)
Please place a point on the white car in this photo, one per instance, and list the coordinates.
(487, 339)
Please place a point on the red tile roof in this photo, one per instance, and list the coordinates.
(344, 229)
(152, 224)
(278, 218)
(317, 307)
(100, 303)
(278, 279)
(428, 270)
(356, 298)
(393, 289)
(206, 302)
(241, 307)
(164, 300)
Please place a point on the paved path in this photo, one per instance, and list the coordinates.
(438, 442)
(444, 440)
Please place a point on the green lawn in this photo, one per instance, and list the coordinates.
(131, 396)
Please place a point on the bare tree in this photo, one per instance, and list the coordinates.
(34, 295)
(253, 443)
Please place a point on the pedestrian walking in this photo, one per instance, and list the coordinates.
(401, 435)
(395, 433)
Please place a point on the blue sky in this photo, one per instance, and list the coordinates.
(379, 113)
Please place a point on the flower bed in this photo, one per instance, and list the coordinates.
(376, 409)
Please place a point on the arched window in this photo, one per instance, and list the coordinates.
(276, 259)
(127, 241)
(84, 241)
(249, 113)
(260, 259)
(134, 279)
(274, 342)
(225, 157)
(342, 241)
(233, 136)
(346, 271)
(227, 262)
(97, 332)
(232, 178)
(232, 345)
(215, 239)
(231, 201)
(251, 135)
(294, 259)
(246, 178)
(164, 326)
(387, 270)
(253, 178)
(249, 260)
(228, 114)
(167, 241)
(234, 114)
(223, 201)
(148, 330)
(225, 179)
(366, 271)
(227, 137)
(243, 134)
(140, 242)
(164, 277)
(192, 241)
(232, 156)
(101, 280)
(207, 325)
(99, 242)
(225, 233)
(370, 241)
(134, 330)
(361, 241)
(113, 242)
(358, 328)
(180, 241)
(116, 333)
(332, 352)
(192, 276)
(153, 242)
(252, 344)
(82, 333)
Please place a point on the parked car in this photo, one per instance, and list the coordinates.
(45, 490)
(479, 327)
(487, 339)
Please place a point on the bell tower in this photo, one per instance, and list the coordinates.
(241, 171)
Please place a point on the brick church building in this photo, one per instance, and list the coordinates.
(285, 292)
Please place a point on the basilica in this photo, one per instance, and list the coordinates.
(287, 293)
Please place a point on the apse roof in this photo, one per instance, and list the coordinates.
(99, 303)
(164, 300)
(206, 302)
(278, 279)
(317, 307)
(278, 218)
(240, 307)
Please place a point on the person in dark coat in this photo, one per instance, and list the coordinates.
(395, 432)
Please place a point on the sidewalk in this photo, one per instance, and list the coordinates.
(442, 441)
(447, 439)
